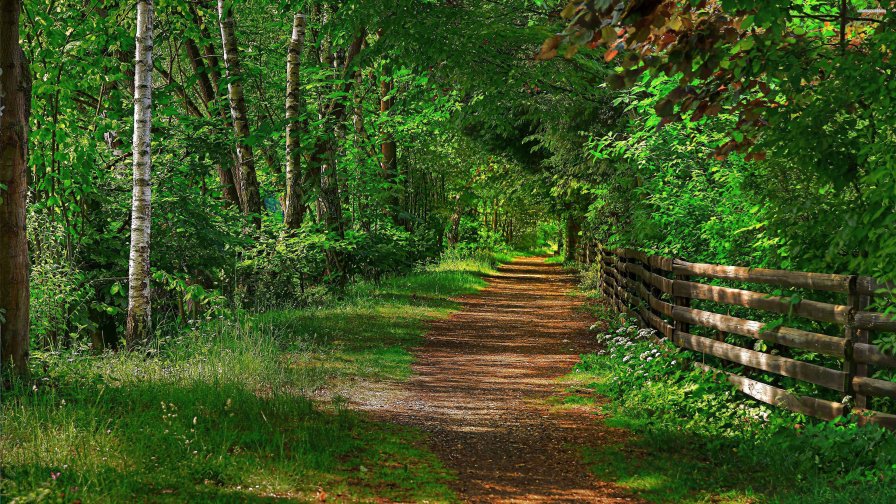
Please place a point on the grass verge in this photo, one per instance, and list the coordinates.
(691, 438)
(222, 412)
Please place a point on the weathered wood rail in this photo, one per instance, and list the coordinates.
(659, 293)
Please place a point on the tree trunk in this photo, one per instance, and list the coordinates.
(294, 210)
(329, 201)
(139, 323)
(209, 96)
(454, 232)
(248, 180)
(389, 163)
(572, 238)
(14, 105)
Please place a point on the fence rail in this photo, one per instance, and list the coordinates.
(660, 292)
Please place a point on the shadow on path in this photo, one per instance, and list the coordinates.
(480, 389)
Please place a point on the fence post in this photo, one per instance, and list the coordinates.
(862, 336)
(680, 300)
(857, 302)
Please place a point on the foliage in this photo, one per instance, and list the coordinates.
(701, 440)
(223, 411)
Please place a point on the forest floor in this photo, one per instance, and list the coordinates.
(486, 385)
(456, 382)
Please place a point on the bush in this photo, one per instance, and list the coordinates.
(680, 411)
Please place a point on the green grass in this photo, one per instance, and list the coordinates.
(691, 439)
(221, 412)
(555, 259)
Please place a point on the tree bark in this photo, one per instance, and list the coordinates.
(572, 237)
(139, 322)
(389, 151)
(248, 180)
(325, 155)
(14, 103)
(294, 211)
(209, 96)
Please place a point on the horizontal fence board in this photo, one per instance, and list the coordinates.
(772, 363)
(876, 321)
(659, 262)
(662, 283)
(632, 254)
(654, 261)
(782, 278)
(613, 273)
(796, 338)
(660, 325)
(869, 286)
(661, 306)
(867, 417)
(871, 354)
(874, 387)
(814, 310)
(655, 304)
(631, 282)
(775, 396)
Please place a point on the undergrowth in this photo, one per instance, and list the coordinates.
(693, 438)
(223, 411)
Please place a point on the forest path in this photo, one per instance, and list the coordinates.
(481, 387)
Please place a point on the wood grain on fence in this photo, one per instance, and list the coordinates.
(660, 292)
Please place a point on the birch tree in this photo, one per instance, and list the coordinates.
(139, 322)
(248, 180)
(14, 108)
(295, 206)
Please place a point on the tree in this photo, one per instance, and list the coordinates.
(295, 204)
(248, 180)
(389, 151)
(325, 154)
(14, 110)
(139, 322)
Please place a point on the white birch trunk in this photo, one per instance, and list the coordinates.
(295, 206)
(139, 323)
(248, 180)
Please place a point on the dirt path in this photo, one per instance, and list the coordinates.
(480, 388)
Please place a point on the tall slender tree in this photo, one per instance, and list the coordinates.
(295, 205)
(139, 323)
(248, 180)
(389, 151)
(14, 107)
(208, 95)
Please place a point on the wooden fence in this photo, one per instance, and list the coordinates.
(659, 292)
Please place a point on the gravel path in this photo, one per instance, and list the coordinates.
(481, 385)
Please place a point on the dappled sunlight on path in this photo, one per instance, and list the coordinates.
(481, 388)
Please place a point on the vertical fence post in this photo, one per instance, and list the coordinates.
(857, 302)
(862, 336)
(619, 268)
(654, 291)
(680, 300)
(628, 279)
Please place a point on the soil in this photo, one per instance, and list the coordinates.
(482, 386)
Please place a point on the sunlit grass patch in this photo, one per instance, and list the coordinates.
(221, 412)
(693, 439)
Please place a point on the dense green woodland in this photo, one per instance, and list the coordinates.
(302, 155)
(424, 125)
